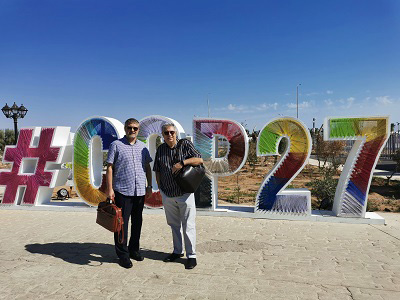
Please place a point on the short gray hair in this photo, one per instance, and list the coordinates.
(165, 126)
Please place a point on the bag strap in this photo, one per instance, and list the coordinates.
(121, 235)
(121, 232)
(178, 147)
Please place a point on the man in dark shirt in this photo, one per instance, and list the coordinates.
(179, 207)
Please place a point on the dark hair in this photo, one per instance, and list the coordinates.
(131, 120)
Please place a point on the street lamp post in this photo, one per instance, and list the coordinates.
(297, 100)
(208, 104)
(15, 112)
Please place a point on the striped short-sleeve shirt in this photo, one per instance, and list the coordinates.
(165, 160)
(129, 162)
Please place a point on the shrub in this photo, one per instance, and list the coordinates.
(324, 189)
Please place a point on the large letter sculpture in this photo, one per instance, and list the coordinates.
(271, 197)
(92, 139)
(36, 165)
(370, 135)
(150, 130)
(206, 132)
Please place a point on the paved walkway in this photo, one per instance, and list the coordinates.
(59, 255)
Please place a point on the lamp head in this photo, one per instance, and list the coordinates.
(14, 109)
(6, 111)
(22, 111)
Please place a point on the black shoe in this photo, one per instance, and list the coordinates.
(125, 263)
(172, 257)
(190, 263)
(136, 256)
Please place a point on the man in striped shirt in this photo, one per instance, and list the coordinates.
(128, 167)
(179, 207)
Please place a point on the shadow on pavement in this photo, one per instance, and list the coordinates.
(87, 253)
(152, 254)
(76, 253)
(157, 255)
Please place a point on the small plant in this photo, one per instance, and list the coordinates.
(237, 189)
(324, 189)
(252, 157)
(372, 206)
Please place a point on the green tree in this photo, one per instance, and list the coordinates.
(328, 154)
(6, 138)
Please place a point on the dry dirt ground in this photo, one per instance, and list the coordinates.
(242, 187)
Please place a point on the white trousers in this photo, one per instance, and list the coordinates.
(181, 214)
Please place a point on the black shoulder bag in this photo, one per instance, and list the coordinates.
(189, 177)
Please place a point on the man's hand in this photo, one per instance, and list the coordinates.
(176, 167)
(149, 191)
(110, 194)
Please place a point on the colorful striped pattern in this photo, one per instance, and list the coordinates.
(289, 165)
(45, 153)
(371, 133)
(150, 129)
(204, 130)
(149, 126)
(108, 132)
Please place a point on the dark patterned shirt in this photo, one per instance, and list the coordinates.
(165, 160)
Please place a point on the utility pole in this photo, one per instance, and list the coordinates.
(297, 100)
(208, 104)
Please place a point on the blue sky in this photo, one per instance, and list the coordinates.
(69, 60)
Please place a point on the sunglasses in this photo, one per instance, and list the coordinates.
(132, 128)
(169, 132)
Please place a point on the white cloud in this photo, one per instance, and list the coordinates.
(328, 102)
(233, 107)
(329, 92)
(350, 101)
(304, 104)
(347, 103)
(266, 106)
(312, 94)
(384, 100)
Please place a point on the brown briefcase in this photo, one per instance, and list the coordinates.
(110, 217)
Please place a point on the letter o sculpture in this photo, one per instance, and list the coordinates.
(91, 140)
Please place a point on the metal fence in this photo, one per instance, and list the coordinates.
(392, 145)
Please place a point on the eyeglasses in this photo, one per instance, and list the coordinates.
(169, 132)
(132, 128)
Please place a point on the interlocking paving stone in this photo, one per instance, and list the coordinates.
(65, 255)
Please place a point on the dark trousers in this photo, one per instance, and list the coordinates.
(131, 206)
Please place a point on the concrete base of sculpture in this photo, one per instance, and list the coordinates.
(223, 211)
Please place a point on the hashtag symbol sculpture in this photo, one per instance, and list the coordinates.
(36, 165)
